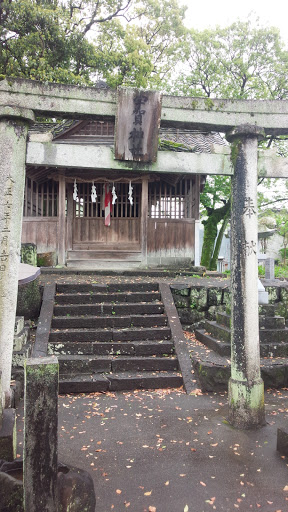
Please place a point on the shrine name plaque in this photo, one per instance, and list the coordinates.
(137, 125)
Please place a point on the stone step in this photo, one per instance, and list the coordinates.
(137, 348)
(107, 264)
(266, 335)
(96, 298)
(267, 309)
(106, 309)
(220, 347)
(94, 322)
(98, 246)
(108, 288)
(223, 319)
(93, 254)
(131, 334)
(106, 364)
(271, 322)
(214, 377)
(223, 348)
(267, 322)
(273, 336)
(123, 381)
(220, 332)
(113, 336)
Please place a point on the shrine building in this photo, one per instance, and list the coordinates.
(108, 192)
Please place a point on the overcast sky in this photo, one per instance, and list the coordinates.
(209, 13)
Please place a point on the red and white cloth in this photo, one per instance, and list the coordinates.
(107, 204)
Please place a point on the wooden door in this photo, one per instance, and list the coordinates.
(89, 230)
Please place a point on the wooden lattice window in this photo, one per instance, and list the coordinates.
(40, 200)
(101, 128)
(122, 209)
(171, 201)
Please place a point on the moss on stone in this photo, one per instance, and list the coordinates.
(29, 254)
(29, 300)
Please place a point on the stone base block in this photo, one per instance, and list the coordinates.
(29, 300)
(19, 357)
(20, 339)
(19, 324)
(8, 435)
(282, 441)
(75, 488)
(29, 254)
(246, 404)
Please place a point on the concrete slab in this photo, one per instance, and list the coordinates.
(168, 450)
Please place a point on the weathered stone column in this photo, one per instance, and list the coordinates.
(246, 389)
(40, 434)
(13, 134)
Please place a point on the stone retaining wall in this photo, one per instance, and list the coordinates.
(194, 303)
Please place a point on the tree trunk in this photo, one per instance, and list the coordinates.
(214, 259)
(210, 232)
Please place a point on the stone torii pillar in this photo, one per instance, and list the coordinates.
(14, 123)
(246, 388)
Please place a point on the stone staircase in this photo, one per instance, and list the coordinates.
(108, 337)
(213, 370)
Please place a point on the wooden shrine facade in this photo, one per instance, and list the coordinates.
(155, 226)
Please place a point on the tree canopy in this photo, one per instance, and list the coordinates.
(144, 43)
(241, 61)
(125, 42)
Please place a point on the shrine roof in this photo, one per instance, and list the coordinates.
(87, 132)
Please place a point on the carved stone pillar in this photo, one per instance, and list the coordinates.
(13, 134)
(246, 389)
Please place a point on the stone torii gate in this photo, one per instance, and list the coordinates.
(244, 123)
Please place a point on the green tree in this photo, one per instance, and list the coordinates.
(215, 201)
(242, 61)
(81, 41)
(282, 229)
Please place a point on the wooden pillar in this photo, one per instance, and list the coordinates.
(196, 197)
(62, 221)
(14, 123)
(144, 219)
(246, 388)
(70, 216)
(196, 215)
